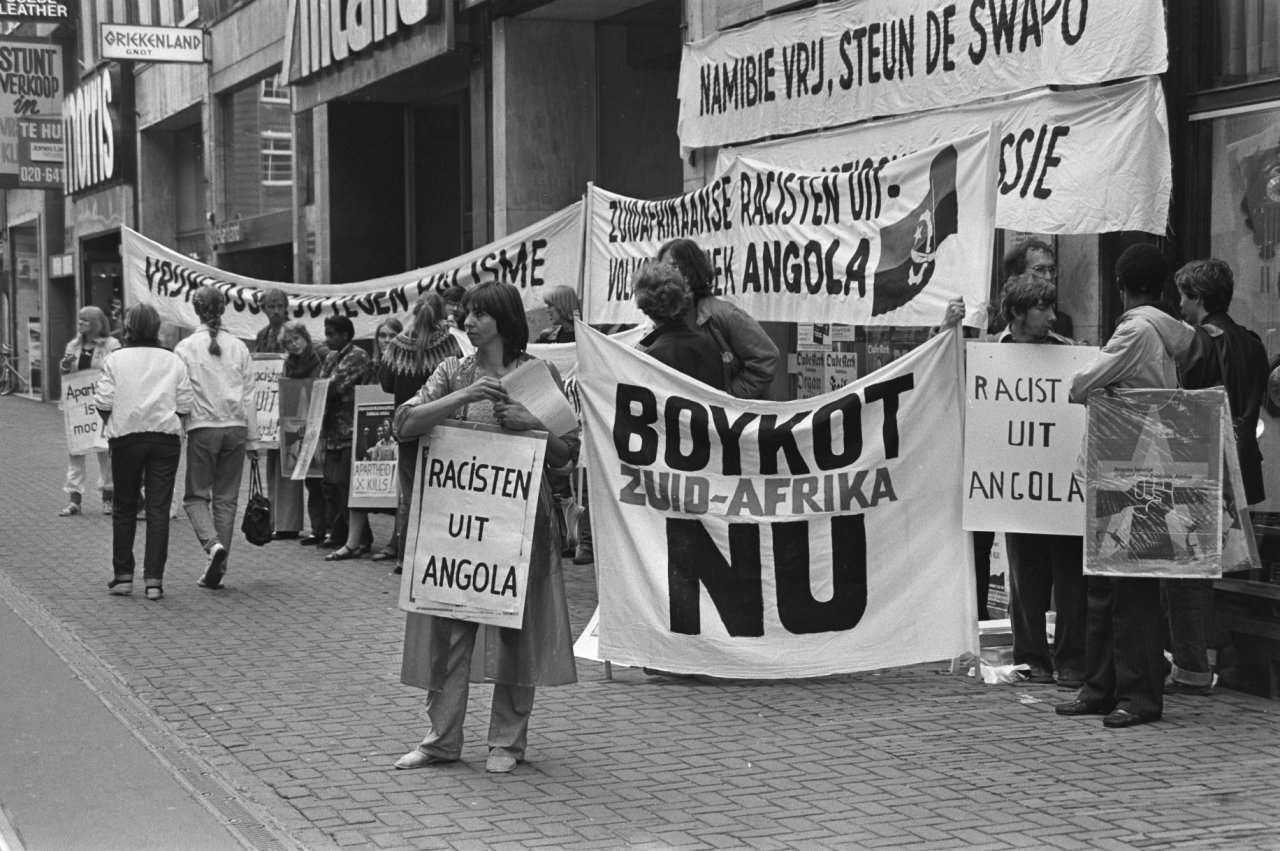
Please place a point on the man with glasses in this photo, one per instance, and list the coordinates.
(1036, 257)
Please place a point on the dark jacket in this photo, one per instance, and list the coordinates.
(1232, 356)
(685, 350)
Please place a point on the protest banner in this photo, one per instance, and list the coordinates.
(842, 62)
(1022, 439)
(1077, 161)
(374, 483)
(1153, 483)
(469, 536)
(302, 403)
(545, 254)
(267, 369)
(889, 244)
(744, 538)
(82, 421)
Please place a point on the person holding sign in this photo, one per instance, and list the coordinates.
(747, 355)
(346, 366)
(662, 295)
(438, 650)
(304, 360)
(275, 303)
(143, 391)
(1125, 664)
(87, 350)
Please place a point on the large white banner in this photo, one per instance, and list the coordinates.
(1078, 161)
(1023, 439)
(886, 244)
(545, 254)
(777, 539)
(838, 63)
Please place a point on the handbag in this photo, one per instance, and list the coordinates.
(257, 512)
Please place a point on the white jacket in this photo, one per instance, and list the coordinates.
(146, 389)
(223, 383)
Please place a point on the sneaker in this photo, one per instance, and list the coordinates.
(217, 568)
(154, 592)
(122, 587)
(72, 510)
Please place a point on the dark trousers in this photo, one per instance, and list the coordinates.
(337, 489)
(406, 468)
(982, 544)
(137, 458)
(1045, 569)
(316, 513)
(1124, 664)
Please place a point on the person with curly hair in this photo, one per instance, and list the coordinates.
(661, 294)
(222, 429)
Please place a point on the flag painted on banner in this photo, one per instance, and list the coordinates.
(1078, 161)
(842, 62)
(543, 255)
(777, 539)
(1153, 483)
(887, 243)
(1022, 438)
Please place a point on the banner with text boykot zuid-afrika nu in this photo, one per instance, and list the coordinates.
(1078, 161)
(886, 244)
(837, 63)
(545, 254)
(777, 539)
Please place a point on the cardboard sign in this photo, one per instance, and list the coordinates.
(301, 418)
(1022, 438)
(267, 369)
(81, 418)
(470, 530)
(374, 482)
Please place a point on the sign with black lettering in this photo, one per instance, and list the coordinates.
(1022, 438)
(470, 530)
(543, 255)
(153, 44)
(374, 483)
(267, 369)
(887, 243)
(30, 89)
(750, 539)
(82, 421)
(40, 153)
(838, 63)
(1074, 161)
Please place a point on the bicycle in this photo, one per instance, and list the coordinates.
(10, 379)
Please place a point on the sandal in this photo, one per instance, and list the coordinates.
(343, 553)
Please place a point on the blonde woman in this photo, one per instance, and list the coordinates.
(90, 347)
(562, 307)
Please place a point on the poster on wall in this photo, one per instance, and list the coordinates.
(32, 90)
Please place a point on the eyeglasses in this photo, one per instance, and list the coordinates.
(1048, 269)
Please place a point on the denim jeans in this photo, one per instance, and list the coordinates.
(215, 463)
(1124, 665)
(135, 458)
(1190, 606)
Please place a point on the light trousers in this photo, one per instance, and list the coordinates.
(447, 709)
(215, 463)
(77, 475)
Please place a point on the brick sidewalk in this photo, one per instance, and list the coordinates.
(286, 687)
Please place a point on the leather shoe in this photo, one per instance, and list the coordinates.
(500, 762)
(312, 540)
(383, 555)
(1081, 707)
(418, 759)
(329, 544)
(1124, 718)
(1038, 678)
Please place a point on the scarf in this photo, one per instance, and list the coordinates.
(403, 356)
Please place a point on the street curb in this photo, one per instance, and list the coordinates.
(234, 804)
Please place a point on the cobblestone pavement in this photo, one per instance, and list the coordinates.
(281, 696)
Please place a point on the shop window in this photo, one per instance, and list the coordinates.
(1244, 216)
(273, 92)
(277, 158)
(1246, 41)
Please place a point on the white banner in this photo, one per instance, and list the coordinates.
(838, 63)
(81, 419)
(1023, 439)
(888, 244)
(1078, 161)
(777, 539)
(545, 254)
(470, 528)
(267, 369)
(374, 482)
